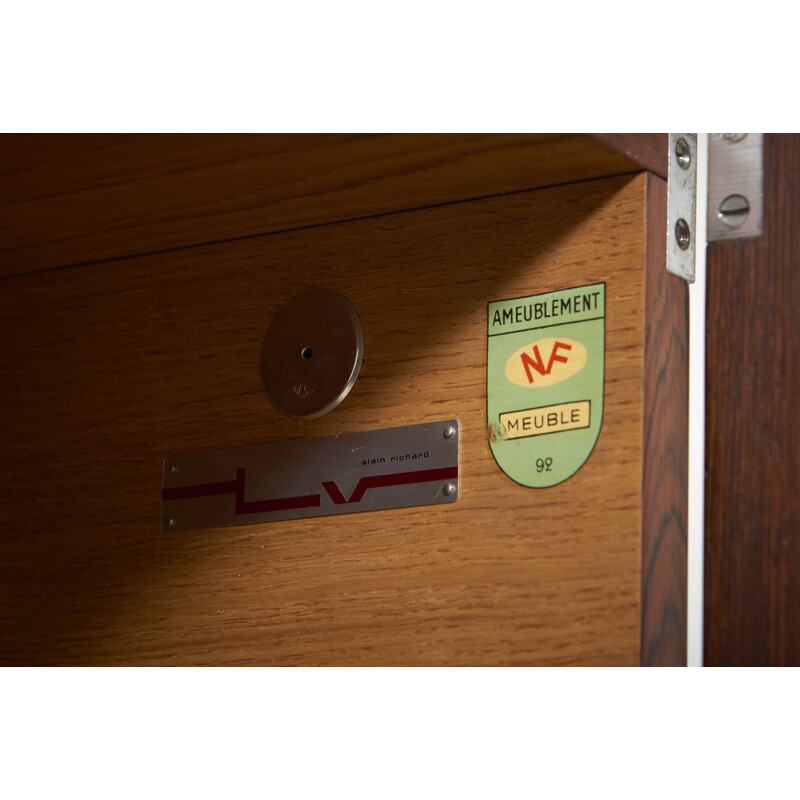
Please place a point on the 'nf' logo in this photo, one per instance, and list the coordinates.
(545, 362)
(537, 363)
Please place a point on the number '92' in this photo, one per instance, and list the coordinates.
(544, 464)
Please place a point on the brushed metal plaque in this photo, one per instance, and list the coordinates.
(413, 465)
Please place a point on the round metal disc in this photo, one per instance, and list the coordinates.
(312, 354)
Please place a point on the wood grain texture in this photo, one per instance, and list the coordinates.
(666, 444)
(108, 371)
(76, 199)
(752, 520)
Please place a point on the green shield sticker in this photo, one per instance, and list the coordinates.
(544, 382)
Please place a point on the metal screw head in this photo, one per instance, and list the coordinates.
(683, 234)
(171, 522)
(173, 468)
(449, 432)
(734, 210)
(448, 489)
(683, 155)
(733, 137)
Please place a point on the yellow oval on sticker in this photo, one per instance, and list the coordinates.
(545, 362)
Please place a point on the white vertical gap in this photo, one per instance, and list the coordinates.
(697, 419)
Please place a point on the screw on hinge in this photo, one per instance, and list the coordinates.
(683, 155)
(683, 234)
(734, 210)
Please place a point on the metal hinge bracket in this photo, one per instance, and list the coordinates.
(735, 186)
(735, 200)
(682, 205)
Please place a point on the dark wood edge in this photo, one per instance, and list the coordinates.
(752, 458)
(665, 446)
(648, 150)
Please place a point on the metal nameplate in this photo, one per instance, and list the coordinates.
(414, 465)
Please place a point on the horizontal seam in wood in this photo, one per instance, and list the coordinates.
(313, 226)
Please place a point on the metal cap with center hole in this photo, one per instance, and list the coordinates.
(312, 354)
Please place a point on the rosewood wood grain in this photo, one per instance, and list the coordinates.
(108, 371)
(648, 150)
(752, 519)
(67, 200)
(666, 443)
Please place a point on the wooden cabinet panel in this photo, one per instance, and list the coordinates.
(76, 199)
(108, 371)
(752, 515)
